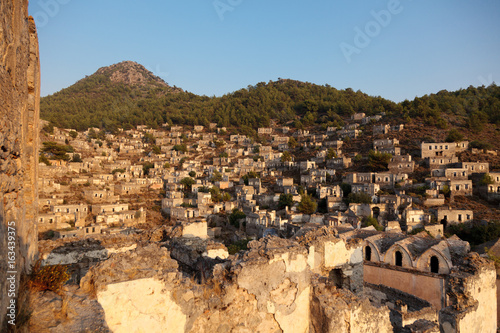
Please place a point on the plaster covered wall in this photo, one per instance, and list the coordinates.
(195, 229)
(498, 302)
(282, 289)
(483, 289)
(337, 254)
(146, 306)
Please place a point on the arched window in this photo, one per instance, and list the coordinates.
(399, 258)
(434, 264)
(368, 253)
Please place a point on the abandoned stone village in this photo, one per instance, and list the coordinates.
(216, 232)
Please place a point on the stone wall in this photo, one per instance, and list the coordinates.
(312, 283)
(19, 121)
(267, 289)
(424, 286)
(471, 290)
(335, 310)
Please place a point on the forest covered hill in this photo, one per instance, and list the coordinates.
(125, 95)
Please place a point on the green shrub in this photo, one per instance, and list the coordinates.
(146, 167)
(307, 205)
(475, 234)
(486, 180)
(445, 190)
(286, 157)
(346, 189)
(480, 145)
(286, 200)
(360, 197)
(238, 246)
(454, 136)
(182, 148)
(44, 159)
(76, 158)
(378, 161)
(369, 220)
(235, 217)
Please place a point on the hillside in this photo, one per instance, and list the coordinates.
(110, 96)
(126, 95)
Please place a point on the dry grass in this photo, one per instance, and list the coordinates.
(131, 273)
(48, 277)
(212, 288)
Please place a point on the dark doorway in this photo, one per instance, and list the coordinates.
(376, 212)
(434, 264)
(337, 277)
(368, 253)
(444, 222)
(399, 259)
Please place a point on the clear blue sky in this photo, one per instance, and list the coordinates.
(215, 47)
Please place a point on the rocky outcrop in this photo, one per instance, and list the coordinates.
(19, 119)
(132, 73)
(71, 310)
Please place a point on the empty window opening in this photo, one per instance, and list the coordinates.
(434, 264)
(399, 258)
(337, 277)
(368, 253)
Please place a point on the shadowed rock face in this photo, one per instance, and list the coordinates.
(19, 123)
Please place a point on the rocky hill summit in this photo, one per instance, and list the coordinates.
(132, 73)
